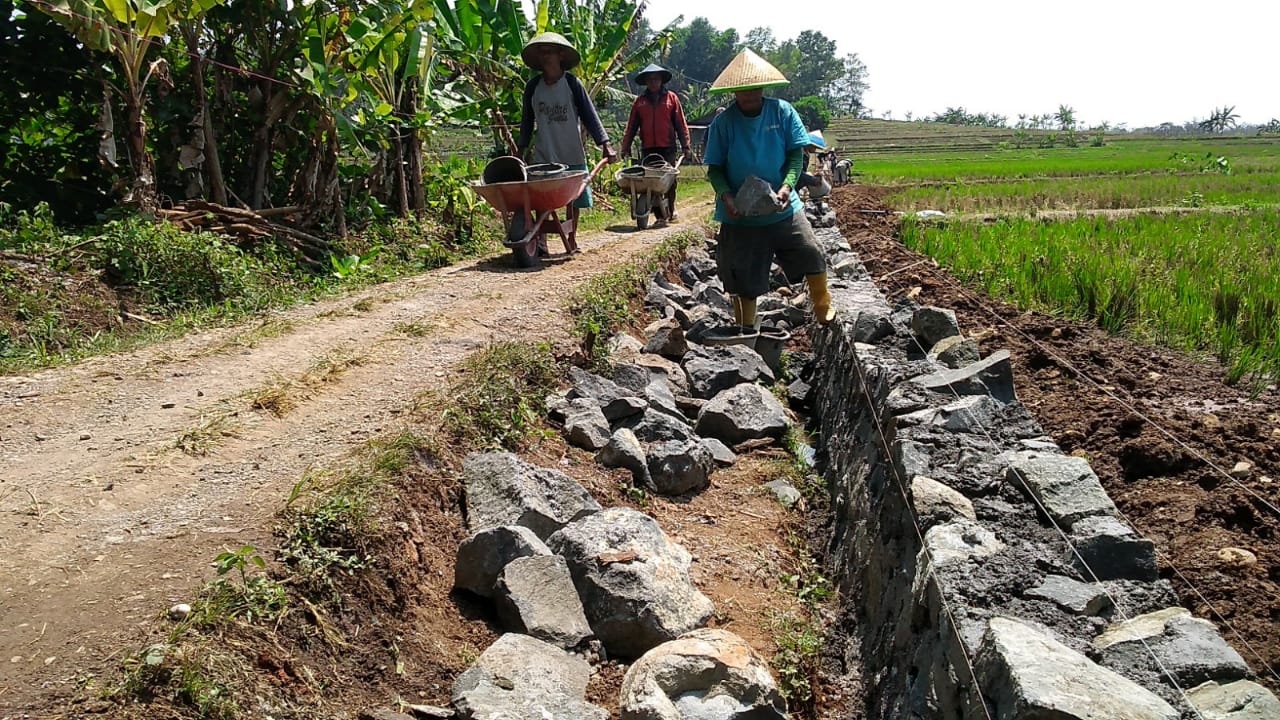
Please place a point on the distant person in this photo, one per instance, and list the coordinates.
(765, 138)
(842, 170)
(816, 183)
(556, 102)
(659, 119)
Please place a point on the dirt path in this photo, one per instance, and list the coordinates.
(105, 522)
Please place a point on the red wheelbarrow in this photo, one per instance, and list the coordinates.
(528, 198)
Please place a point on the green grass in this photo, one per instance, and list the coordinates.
(66, 302)
(1106, 192)
(1208, 282)
(499, 399)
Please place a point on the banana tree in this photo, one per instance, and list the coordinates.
(127, 30)
(391, 52)
(479, 42)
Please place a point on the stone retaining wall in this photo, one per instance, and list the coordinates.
(977, 562)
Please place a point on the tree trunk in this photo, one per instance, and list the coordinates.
(212, 165)
(417, 194)
(402, 190)
(261, 151)
(140, 161)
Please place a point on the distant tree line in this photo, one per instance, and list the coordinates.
(823, 82)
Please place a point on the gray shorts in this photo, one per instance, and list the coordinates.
(745, 254)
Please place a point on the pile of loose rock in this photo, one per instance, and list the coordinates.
(573, 583)
(670, 409)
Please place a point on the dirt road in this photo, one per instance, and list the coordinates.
(105, 522)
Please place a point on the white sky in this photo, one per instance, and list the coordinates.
(1137, 62)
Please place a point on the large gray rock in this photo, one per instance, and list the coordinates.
(668, 341)
(654, 426)
(535, 596)
(932, 324)
(585, 425)
(676, 378)
(720, 452)
(992, 376)
(677, 467)
(698, 267)
(976, 414)
(936, 503)
(622, 344)
(958, 541)
(743, 412)
(872, 326)
(502, 489)
(1064, 486)
(633, 581)
(955, 351)
(482, 556)
(784, 491)
(614, 401)
(1108, 549)
(1072, 595)
(711, 294)
(676, 294)
(651, 384)
(714, 369)
(1172, 642)
(704, 675)
(1240, 700)
(522, 678)
(1025, 673)
(756, 197)
(625, 451)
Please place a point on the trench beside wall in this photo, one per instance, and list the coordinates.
(983, 572)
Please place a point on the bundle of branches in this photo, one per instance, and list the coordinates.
(249, 227)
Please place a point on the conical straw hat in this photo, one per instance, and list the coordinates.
(533, 58)
(748, 71)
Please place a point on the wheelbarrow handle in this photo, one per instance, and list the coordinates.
(592, 175)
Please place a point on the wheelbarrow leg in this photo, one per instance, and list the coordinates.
(568, 229)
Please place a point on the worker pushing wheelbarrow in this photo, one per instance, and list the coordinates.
(528, 199)
(657, 121)
(557, 105)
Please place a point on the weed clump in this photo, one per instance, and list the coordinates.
(500, 398)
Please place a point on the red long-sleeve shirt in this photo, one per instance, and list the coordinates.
(660, 121)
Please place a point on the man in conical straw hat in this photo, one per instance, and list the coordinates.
(658, 118)
(556, 102)
(764, 138)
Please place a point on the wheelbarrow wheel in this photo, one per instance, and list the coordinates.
(642, 222)
(525, 254)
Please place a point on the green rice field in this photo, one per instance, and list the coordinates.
(1205, 279)
(1107, 192)
(1205, 282)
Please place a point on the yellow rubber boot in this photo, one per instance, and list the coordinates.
(744, 311)
(821, 297)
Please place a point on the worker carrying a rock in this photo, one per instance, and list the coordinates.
(754, 156)
(658, 117)
(555, 101)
